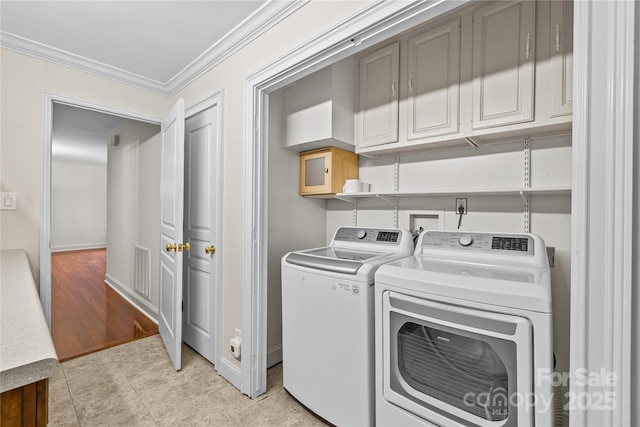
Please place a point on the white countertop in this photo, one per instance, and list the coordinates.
(27, 353)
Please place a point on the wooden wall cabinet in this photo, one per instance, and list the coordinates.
(324, 171)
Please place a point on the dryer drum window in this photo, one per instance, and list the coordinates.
(458, 370)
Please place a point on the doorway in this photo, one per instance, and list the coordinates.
(190, 227)
(91, 153)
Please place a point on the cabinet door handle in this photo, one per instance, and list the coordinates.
(393, 87)
(557, 37)
(410, 83)
(528, 46)
(326, 170)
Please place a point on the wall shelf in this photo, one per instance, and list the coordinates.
(520, 191)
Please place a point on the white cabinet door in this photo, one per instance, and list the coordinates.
(377, 118)
(561, 57)
(503, 64)
(434, 82)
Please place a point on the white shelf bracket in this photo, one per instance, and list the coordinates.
(524, 196)
(390, 200)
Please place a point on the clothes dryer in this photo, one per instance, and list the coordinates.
(327, 322)
(464, 333)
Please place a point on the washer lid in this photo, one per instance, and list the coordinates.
(334, 259)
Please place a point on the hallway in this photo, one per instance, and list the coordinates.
(87, 315)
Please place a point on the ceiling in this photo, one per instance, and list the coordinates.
(156, 45)
(82, 135)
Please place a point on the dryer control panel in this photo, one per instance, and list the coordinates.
(479, 242)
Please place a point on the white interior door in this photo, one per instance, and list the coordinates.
(171, 232)
(202, 152)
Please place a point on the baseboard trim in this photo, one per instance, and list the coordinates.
(78, 247)
(274, 356)
(144, 306)
(230, 372)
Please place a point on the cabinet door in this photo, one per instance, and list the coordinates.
(503, 64)
(561, 57)
(315, 177)
(377, 121)
(434, 81)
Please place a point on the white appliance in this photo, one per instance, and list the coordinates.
(464, 333)
(327, 322)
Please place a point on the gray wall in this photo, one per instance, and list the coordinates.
(295, 222)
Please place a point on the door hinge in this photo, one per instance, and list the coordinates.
(183, 306)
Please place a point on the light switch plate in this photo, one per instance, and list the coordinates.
(8, 201)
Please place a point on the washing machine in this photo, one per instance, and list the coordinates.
(327, 322)
(464, 333)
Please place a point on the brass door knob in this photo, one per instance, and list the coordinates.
(209, 250)
(187, 246)
(171, 247)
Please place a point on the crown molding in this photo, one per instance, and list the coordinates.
(48, 53)
(260, 21)
(248, 30)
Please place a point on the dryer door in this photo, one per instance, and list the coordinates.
(457, 366)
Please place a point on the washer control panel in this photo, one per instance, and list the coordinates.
(479, 242)
(368, 235)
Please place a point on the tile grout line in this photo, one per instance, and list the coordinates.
(73, 403)
(135, 390)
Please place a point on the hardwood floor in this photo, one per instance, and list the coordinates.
(87, 315)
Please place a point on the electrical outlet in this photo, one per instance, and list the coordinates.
(461, 202)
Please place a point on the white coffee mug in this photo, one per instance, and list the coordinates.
(352, 186)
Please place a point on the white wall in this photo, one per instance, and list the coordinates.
(295, 222)
(78, 205)
(24, 81)
(302, 26)
(489, 167)
(133, 198)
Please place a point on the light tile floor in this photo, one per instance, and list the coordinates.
(135, 385)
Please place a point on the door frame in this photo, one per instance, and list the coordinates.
(45, 208)
(216, 99)
(615, 94)
(373, 24)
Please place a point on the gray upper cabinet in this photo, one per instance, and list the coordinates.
(488, 73)
(434, 82)
(377, 116)
(561, 57)
(503, 64)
